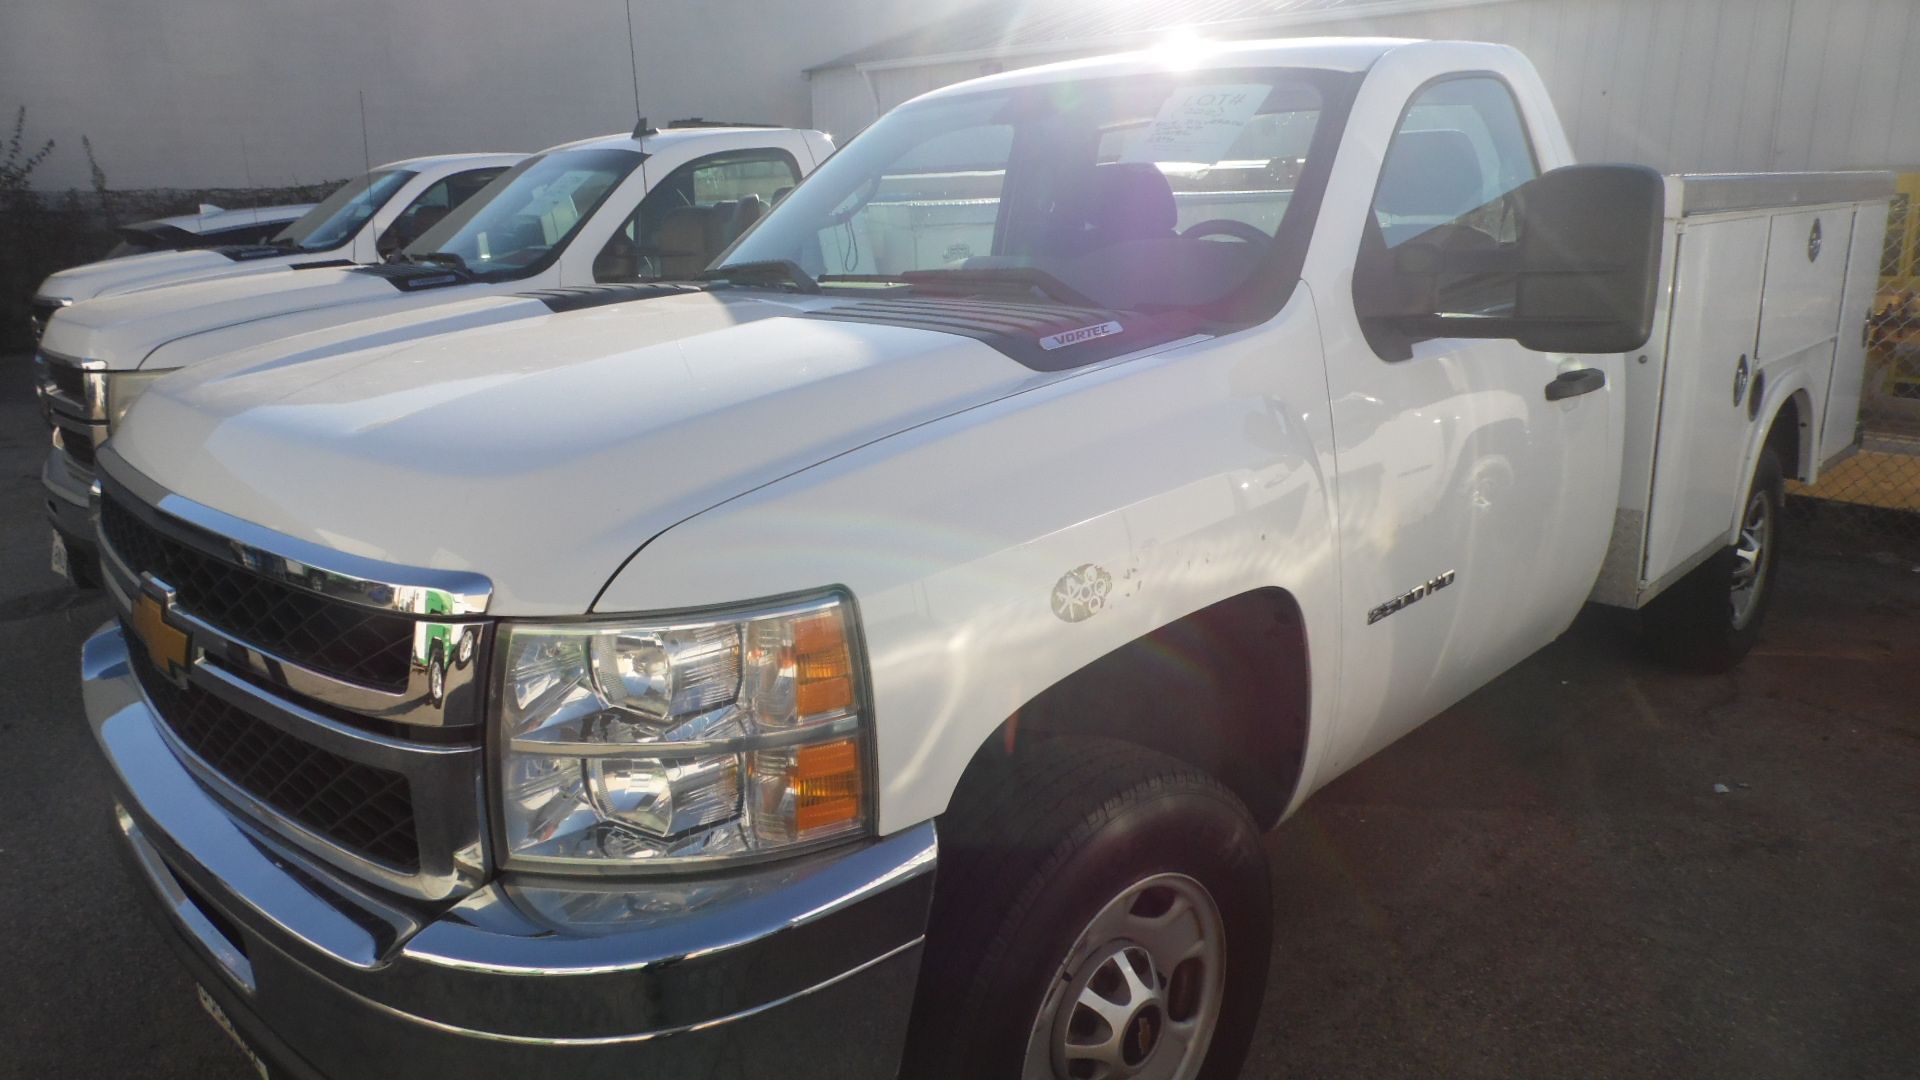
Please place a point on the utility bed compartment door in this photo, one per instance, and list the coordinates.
(1842, 413)
(1702, 429)
(1806, 264)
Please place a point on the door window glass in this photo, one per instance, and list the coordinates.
(693, 214)
(1460, 151)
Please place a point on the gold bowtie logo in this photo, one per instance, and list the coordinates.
(167, 645)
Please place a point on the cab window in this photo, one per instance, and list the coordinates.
(1447, 183)
(693, 214)
(1458, 154)
(434, 204)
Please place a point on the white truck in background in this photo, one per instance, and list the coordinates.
(588, 222)
(363, 221)
(208, 227)
(597, 695)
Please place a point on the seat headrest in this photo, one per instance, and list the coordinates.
(749, 210)
(1130, 200)
(1430, 174)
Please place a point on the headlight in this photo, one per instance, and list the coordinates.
(122, 389)
(700, 738)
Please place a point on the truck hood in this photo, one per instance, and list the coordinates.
(545, 452)
(111, 277)
(178, 325)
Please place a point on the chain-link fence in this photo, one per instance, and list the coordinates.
(1876, 492)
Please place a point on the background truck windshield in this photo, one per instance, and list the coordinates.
(334, 221)
(1166, 190)
(519, 224)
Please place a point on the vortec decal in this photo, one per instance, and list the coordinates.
(1074, 337)
(1411, 596)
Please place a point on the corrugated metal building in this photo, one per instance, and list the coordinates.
(1682, 85)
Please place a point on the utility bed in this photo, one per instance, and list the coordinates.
(1789, 292)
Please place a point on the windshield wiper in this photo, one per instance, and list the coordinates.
(1024, 277)
(763, 272)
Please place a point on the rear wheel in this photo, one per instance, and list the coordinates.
(1102, 913)
(1711, 618)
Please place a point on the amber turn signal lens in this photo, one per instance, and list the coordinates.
(826, 785)
(823, 665)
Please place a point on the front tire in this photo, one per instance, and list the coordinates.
(1711, 618)
(1102, 913)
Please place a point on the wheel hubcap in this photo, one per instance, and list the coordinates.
(1139, 993)
(1750, 554)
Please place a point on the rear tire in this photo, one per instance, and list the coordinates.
(1093, 898)
(1711, 618)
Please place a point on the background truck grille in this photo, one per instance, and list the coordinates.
(362, 808)
(78, 445)
(67, 379)
(331, 637)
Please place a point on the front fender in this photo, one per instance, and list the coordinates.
(996, 551)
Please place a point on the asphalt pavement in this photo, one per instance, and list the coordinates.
(1592, 867)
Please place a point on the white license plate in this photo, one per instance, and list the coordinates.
(59, 554)
(220, 1017)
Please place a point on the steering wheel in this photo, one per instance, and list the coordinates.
(1239, 230)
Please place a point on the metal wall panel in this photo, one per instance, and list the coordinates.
(1682, 85)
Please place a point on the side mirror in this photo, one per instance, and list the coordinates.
(1578, 275)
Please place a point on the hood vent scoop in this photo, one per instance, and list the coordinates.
(1044, 337)
(592, 296)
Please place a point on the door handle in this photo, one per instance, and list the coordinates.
(1574, 383)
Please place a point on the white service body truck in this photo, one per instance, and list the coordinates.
(362, 221)
(555, 232)
(884, 661)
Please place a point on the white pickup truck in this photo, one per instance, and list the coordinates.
(555, 232)
(885, 659)
(210, 227)
(361, 222)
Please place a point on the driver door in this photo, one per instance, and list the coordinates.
(1473, 510)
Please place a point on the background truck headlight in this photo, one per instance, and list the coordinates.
(678, 740)
(119, 390)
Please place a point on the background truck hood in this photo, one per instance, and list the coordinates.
(111, 277)
(544, 452)
(175, 326)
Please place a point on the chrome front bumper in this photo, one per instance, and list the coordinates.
(796, 969)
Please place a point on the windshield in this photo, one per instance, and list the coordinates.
(519, 223)
(1160, 191)
(334, 221)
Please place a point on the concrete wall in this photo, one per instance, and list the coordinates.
(1682, 85)
(167, 89)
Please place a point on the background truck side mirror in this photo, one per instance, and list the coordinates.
(1578, 275)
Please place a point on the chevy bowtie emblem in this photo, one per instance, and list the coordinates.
(167, 645)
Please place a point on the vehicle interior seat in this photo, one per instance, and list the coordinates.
(747, 211)
(1123, 201)
(1429, 179)
(686, 241)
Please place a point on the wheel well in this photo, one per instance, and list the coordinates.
(1224, 688)
(1791, 437)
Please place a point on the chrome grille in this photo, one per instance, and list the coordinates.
(365, 809)
(274, 707)
(67, 379)
(78, 445)
(329, 636)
